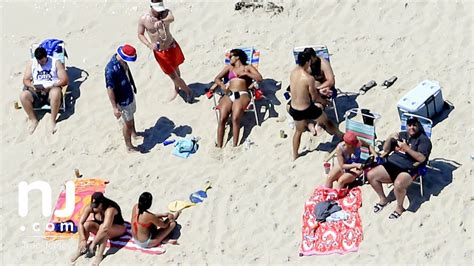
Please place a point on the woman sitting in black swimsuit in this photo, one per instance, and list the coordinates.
(107, 222)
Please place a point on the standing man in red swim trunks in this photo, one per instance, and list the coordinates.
(167, 52)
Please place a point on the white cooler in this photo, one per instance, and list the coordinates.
(424, 100)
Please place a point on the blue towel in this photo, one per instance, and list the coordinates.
(51, 46)
(185, 147)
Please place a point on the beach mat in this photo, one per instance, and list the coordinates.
(84, 188)
(332, 237)
(126, 241)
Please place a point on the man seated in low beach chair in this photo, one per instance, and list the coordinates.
(237, 97)
(411, 150)
(303, 109)
(43, 80)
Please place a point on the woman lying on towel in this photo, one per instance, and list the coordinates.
(237, 96)
(106, 223)
(349, 165)
(148, 229)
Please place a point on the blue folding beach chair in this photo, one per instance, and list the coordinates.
(427, 127)
(323, 52)
(253, 58)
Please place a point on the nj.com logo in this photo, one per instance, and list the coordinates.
(67, 226)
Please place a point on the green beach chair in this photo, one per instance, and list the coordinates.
(362, 124)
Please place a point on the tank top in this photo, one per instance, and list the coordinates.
(45, 75)
(350, 158)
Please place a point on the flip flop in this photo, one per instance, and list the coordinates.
(379, 207)
(179, 205)
(394, 215)
(367, 86)
(389, 82)
(199, 196)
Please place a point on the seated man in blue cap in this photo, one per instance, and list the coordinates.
(121, 89)
(411, 148)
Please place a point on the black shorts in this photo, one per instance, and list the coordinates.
(39, 100)
(394, 170)
(310, 113)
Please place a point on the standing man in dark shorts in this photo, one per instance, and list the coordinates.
(165, 48)
(410, 147)
(302, 107)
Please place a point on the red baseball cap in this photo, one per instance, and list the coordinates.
(351, 139)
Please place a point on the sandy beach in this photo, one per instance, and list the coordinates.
(253, 213)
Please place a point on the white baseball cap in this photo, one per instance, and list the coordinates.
(158, 6)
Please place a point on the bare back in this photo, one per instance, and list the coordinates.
(302, 88)
(140, 232)
(161, 34)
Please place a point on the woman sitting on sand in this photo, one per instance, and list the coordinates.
(237, 96)
(148, 229)
(349, 165)
(107, 222)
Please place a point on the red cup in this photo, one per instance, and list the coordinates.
(327, 167)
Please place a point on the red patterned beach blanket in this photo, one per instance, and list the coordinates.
(332, 237)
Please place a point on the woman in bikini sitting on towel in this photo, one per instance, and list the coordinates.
(106, 223)
(148, 229)
(237, 96)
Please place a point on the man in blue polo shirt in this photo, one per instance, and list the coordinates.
(120, 88)
(410, 147)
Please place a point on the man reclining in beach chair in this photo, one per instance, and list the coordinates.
(304, 111)
(411, 151)
(43, 80)
(237, 96)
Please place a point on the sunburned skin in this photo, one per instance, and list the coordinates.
(156, 30)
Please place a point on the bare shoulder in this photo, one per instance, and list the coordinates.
(308, 77)
(143, 18)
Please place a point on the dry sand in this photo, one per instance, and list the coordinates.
(253, 213)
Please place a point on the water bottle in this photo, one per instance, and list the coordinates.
(291, 122)
(247, 144)
(168, 142)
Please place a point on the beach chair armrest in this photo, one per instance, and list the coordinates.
(331, 155)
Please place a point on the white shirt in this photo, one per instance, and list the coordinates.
(45, 75)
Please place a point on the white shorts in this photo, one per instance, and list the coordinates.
(128, 111)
